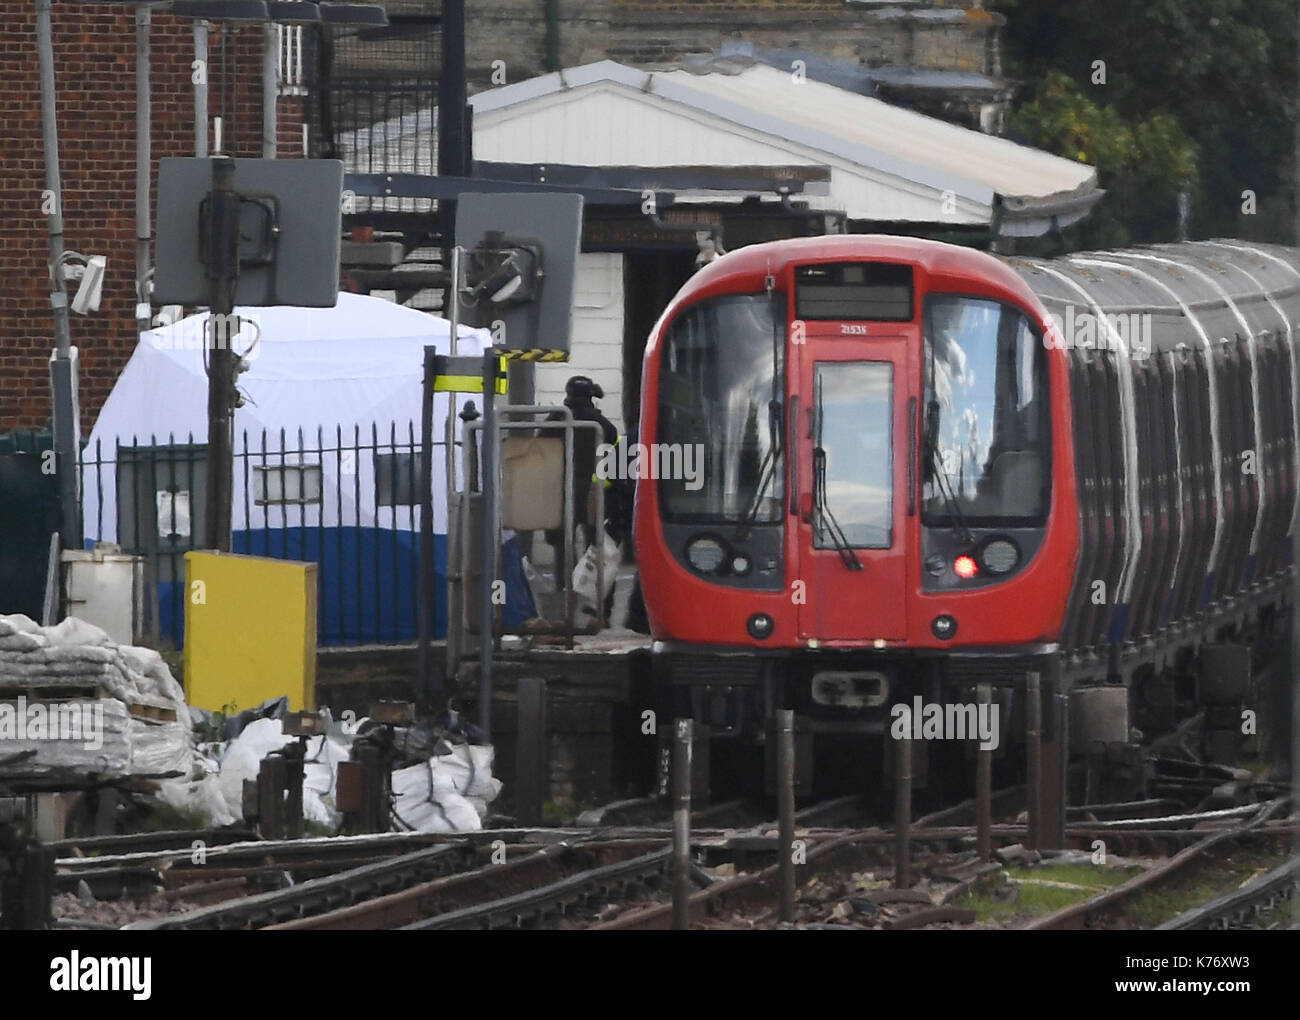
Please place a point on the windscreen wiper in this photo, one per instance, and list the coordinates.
(822, 512)
(959, 529)
(766, 472)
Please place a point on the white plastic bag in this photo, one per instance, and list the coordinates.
(585, 573)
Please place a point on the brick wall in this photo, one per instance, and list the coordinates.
(94, 50)
(950, 35)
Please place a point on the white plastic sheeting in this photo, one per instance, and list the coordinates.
(356, 366)
(243, 759)
(446, 793)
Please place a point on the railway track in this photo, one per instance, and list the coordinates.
(1091, 911)
(551, 903)
(575, 876)
(1244, 907)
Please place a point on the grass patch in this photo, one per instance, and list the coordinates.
(1042, 890)
(1227, 872)
(166, 818)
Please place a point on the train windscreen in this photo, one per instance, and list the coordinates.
(987, 430)
(721, 380)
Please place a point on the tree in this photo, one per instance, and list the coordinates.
(1158, 90)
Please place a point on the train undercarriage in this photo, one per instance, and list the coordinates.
(1219, 690)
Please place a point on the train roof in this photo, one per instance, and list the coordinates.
(1180, 293)
(936, 258)
(1176, 293)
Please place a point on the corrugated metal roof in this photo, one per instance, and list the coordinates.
(903, 161)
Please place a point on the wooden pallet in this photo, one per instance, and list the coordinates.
(52, 689)
(163, 714)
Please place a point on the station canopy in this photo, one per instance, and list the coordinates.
(887, 164)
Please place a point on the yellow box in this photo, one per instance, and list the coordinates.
(250, 631)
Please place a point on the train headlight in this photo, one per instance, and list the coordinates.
(999, 555)
(965, 567)
(760, 626)
(705, 554)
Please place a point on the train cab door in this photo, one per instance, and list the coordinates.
(853, 462)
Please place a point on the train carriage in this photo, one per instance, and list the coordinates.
(925, 467)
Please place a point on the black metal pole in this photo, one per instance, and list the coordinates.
(1034, 756)
(683, 732)
(903, 813)
(452, 98)
(223, 270)
(785, 804)
(491, 541)
(984, 784)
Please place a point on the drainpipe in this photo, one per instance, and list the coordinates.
(270, 88)
(552, 35)
(143, 160)
(63, 377)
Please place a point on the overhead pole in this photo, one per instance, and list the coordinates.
(453, 161)
(453, 142)
(199, 75)
(270, 88)
(223, 272)
(143, 160)
(63, 378)
(1295, 140)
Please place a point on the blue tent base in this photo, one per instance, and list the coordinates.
(367, 583)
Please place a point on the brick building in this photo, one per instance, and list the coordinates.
(94, 51)
(939, 57)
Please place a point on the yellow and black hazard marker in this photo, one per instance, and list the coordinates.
(536, 354)
(464, 375)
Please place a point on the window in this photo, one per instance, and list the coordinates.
(397, 477)
(173, 513)
(987, 455)
(285, 484)
(720, 386)
(853, 459)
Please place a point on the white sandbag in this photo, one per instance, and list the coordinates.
(153, 676)
(320, 776)
(74, 632)
(243, 758)
(17, 623)
(160, 747)
(467, 771)
(201, 797)
(417, 805)
(90, 736)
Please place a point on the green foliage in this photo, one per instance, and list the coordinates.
(1142, 164)
(1197, 93)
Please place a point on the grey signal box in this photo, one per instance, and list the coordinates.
(544, 229)
(290, 227)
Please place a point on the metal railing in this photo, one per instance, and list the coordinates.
(344, 498)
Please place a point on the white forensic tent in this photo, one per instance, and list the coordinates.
(332, 396)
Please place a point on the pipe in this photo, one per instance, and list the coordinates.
(552, 35)
(143, 163)
(199, 75)
(67, 427)
(270, 88)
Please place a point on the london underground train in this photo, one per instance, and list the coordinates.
(923, 467)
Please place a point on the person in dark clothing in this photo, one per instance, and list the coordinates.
(580, 394)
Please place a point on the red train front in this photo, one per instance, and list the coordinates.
(866, 490)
